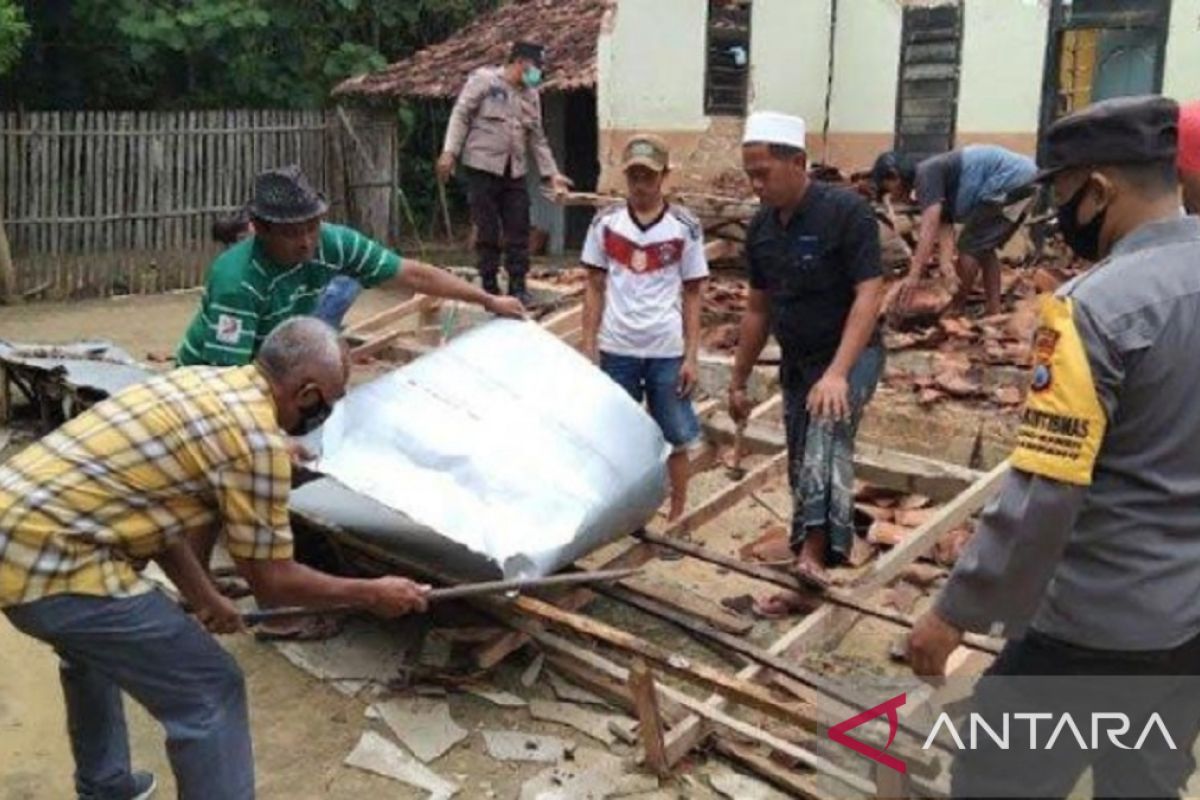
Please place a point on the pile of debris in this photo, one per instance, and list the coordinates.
(963, 353)
(884, 518)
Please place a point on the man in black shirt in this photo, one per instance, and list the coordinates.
(815, 283)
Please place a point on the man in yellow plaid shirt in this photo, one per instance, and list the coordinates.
(192, 450)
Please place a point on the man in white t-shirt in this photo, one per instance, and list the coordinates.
(641, 313)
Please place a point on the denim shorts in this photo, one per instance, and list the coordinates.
(655, 381)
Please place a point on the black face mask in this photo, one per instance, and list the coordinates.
(311, 418)
(1083, 239)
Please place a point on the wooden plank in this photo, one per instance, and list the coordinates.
(845, 700)
(106, 235)
(140, 164)
(758, 437)
(890, 785)
(390, 340)
(796, 783)
(564, 321)
(704, 459)
(795, 583)
(699, 709)
(912, 474)
(750, 694)
(650, 724)
(493, 653)
(948, 517)
(829, 622)
(730, 496)
(393, 315)
(75, 185)
(54, 190)
(5, 395)
(890, 469)
(685, 602)
(606, 687)
(37, 180)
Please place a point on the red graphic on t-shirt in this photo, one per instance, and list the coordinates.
(642, 259)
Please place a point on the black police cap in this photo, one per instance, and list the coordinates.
(1124, 130)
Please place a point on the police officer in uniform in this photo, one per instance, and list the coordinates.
(1089, 558)
(496, 120)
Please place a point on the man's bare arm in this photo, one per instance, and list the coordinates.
(593, 311)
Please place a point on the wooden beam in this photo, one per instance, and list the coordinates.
(5, 395)
(912, 474)
(759, 437)
(407, 349)
(650, 725)
(564, 321)
(614, 691)
(394, 314)
(728, 497)
(745, 692)
(687, 603)
(752, 695)
(829, 622)
(704, 460)
(794, 583)
(890, 785)
(891, 469)
(383, 341)
(699, 709)
(789, 780)
(492, 653)
(817, 683)
(921, 540)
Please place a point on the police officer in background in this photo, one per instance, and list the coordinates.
(1089, 558)
(496, 119)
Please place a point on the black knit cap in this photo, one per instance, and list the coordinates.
(1123, 130)
(531, 50)
(284, 195)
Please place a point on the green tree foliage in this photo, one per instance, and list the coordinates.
(14, 30)
(137, 54)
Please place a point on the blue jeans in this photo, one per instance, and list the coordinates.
(821, 454)
(146, 646)
(656, 381)
(336, 300)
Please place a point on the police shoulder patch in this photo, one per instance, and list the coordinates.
(1063, 423)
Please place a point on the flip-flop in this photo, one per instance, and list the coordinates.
(783, 605)
(312, 629)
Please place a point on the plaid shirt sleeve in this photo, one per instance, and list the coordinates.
(252, 493)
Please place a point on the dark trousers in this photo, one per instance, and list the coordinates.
(500, 211)
(1040, 674)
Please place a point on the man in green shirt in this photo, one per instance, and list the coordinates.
(280, 271)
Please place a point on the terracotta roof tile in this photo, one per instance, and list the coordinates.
(569, 30)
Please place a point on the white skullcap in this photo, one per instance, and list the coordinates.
(771, 127)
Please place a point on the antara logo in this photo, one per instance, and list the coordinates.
(1112, 725)
(1115, 725)
(838, 733)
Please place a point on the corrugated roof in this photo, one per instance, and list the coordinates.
(569, 30)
